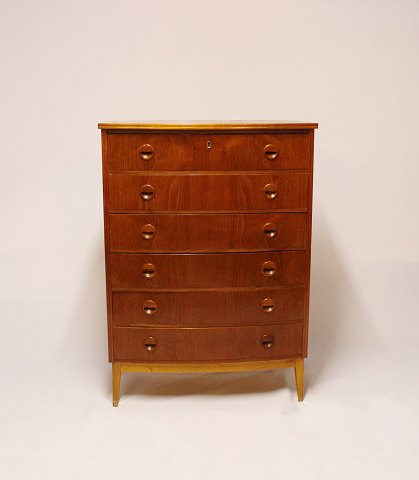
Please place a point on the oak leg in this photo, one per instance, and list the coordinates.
(116, 382)
(299, 377)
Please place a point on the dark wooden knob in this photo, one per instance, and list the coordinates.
(267, 341)
(148, 231)
(149, 270)
(150, 343)
(146, 152)
(150, 307)
(269, 268)
(271, 151)
(147, 192)
(270, 191)
(268, 305)
(270, 230)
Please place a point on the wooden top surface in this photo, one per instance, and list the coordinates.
(223, 125)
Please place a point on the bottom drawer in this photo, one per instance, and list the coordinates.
(207, 344)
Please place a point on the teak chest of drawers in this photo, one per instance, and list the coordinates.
(207, 245)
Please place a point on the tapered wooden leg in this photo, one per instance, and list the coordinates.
(116, 382)
(299, 377)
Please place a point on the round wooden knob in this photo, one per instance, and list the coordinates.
(150, 343)
(267, 341)
(270, 230)
(268, 269)
(271, 151)
(147, 192)
(268, 305)
(146, 152)
(149, 270)
(148, 231)
(270, 191)
(150, 307)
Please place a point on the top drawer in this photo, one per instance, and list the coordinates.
(205, 152)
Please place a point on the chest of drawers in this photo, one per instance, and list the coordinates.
(207, 246)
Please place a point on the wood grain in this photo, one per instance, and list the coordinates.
(202, 367)
(208, 270)
(308, 246)
(197, 126)
(189, 152)
(197, 308)
(299, 378)
(116, 382)
(207, 192)
(203, 230)
(106, 232)
(208, 233)
(206, 367)
(208, 344)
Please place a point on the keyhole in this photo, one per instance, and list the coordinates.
(209, 144)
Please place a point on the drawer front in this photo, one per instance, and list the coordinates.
(208, 344)
(223, 232)
(190, 152)
(139, 193)
(208, 308)
(179, 271)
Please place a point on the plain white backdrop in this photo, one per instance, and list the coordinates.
(350, 66)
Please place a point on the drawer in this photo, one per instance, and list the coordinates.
(187, 152)
(223, 232)
(208, 344)
(222, 270)
(178, 192)
(200, 308)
